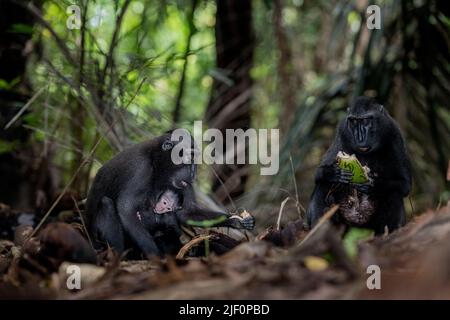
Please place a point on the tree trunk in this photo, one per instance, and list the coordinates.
(23, 182)
(229, 107)
(288, 83)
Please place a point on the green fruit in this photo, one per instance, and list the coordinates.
(351, 163)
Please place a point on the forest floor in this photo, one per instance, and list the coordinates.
(414, 263)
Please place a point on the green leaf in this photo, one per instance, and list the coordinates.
(7, 85)
(353, 237)
(206, 223)
(7, 146)
(4, 84)
(21, 28)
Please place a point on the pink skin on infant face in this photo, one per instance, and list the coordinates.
(167, 202)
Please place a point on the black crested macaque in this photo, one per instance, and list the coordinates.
(140, 197)
(374, 138)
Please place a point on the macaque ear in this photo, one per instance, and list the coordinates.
(167, 145)
(381, 108)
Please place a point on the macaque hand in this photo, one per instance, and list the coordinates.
(342, 175)
(247, 223)
(363, 187)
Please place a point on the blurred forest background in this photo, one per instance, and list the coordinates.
(72, 98)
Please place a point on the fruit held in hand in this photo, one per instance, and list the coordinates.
(351, 163)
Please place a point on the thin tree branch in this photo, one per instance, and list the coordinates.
(72, 179)
(40, 19)
(119, 19)
(25, 107)
(192, 30)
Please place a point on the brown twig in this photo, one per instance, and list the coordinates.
(24, 108)
(297, 201)
(83, 223)
(224, 187)
(280, 213)
(190, 244)
(72, 179)
(112, 139)
(66, 188)
(322, 220)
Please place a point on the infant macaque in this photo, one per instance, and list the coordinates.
(168, 202)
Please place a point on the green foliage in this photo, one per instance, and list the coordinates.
(130, 84)
(7, 85)
(7, 146)
(405, 65)
(353, 237)
(206, 223)
(21, 28)
(125, 90)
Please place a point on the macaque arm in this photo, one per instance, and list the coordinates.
(127, 207)
(324, 173)
(400, 185)
(400, 180)
(333, 174)
(205, 218)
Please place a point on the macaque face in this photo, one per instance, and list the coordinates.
(167, 202)
(177, 176)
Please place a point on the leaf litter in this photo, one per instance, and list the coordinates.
(287, 262)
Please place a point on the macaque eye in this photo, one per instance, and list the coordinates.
(352, 121)
(367, 121)
(167, 145)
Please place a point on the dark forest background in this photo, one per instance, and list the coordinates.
(72, 98)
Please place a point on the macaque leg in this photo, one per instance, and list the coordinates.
(169, 243)
(107, 226)
(127, 207)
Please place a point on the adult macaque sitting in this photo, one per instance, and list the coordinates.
(141, 195)
(373, 137)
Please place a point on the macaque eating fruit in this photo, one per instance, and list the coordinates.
(367, 138)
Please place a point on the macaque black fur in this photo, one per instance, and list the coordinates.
(369, 132)
(120, 205)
